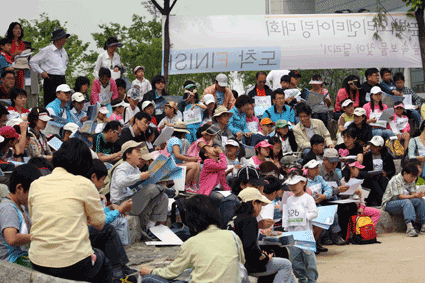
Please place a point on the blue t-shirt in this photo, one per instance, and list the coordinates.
(174, 141)
(220, 97)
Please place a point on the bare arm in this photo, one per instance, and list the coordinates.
(176, 151)
(14, 238)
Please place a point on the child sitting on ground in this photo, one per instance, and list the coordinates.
(205, 135)
(133, 98)
(233, 162)
(149, 107)
(402, 123)
(252, 122)
(213, 171)
(266, 129)
(15, 222)
(78, 115)
(170, 111)
(118, 109)
(262, 153)
(345, 119)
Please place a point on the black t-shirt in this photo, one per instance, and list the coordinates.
(364, 134)
(357, 149)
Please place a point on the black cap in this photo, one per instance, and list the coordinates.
(294, 74)
(58, 34)
(252, 175)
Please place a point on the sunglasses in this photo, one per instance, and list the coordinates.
(261, 82)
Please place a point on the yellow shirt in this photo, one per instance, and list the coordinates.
(60, 205)
(212, 254)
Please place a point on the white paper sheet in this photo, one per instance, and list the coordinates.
(225, 193)
(342, 201)
(165, 135)
(354, 185)
(180, 182)
(166, 236)
(394, 128)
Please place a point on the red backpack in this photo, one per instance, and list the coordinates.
(361, 230)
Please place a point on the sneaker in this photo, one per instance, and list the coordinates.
(411, 232)
(337, 240)
(326, 240)
(119, 276)
(321, 249)
(147, 235)
(422, 230)
(191, 188)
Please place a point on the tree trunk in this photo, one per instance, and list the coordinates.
(166, 47)
(419, 14)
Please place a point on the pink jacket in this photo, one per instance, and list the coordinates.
(212, 174)
(95, 90)
(229, 99)
(407, 128)
(342, 94)
(368, 108)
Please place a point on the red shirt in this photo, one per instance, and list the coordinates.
(261, 92)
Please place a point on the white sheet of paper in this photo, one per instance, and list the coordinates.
(170, 203)
(164, 233)
(354, 184)
(407, 99)
(394, 128)
(365, 193)
(420, 189)
(225, 193)
(192, 116)
(342, 201)
(252, 126)
(165, 135)
(179, 183)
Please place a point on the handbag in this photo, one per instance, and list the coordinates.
(242, 272)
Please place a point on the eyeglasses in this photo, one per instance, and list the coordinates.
(261, 82)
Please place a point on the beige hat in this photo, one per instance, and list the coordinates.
(221, 110)
(146, 155)
(250, 194)
(180, 127)
(103, 110)
(78, 96)
(72, 127)
(359, 111)
(133, 144)
(21, 64)
(147, 103)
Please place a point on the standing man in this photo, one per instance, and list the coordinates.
(222, 94)
(51, 63)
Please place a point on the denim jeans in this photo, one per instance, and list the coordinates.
(407, 207)
(282, 267)
(156, 279)
(304, 265)
(384, 133)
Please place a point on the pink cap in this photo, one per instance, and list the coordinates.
(263, 144)
(356, 164)
(399, 105)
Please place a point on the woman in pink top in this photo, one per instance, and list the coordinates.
(104, 89)
(402, 123)
(213, 171)
(350, 89)
(205, 135)
(375, 106)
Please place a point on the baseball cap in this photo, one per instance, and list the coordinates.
(208, 98)
(72, 127)
(375, 90)
(401, 105)
(289, 160)
(147, 103)
(294, 74)
(63, 87)
(8, 132)
(221, 80)
(282, 124)
(312, 164)
(121, 103)
(267, 121)
(171, 104)
(134, 94)
(250, 194)
(264, 144)
(44, 116)
(137, 68)
(251, 175)
(295, 180)
(103, 110)
(359, 111)
(315, 82)
(346, 103)
(377, 141)
(78, 96)
(232, 143)
(331, 154)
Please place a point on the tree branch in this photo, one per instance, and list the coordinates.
(172, 5)
(157, 6)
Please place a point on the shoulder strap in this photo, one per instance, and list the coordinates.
(237, 245)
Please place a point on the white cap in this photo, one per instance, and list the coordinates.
(346, 103)
(122, 103)
(72, 127)
(63, 87)
(295, 180)
(103, 110)
(222, 80)
(44, 116)
(377, 141)
(147, 103)
(232, 143)
(359, 112)
(208, 98)
(375, 90)
(312, 164)
(1, 139)
(78, 96)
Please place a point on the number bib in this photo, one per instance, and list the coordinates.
(378, 164)
(104, 98)
(294, 215)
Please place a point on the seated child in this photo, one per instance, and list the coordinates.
(345, 119)
(133, 97)
(118, 109)
(401, 197)
(266, 129)
(78, 115)
(102, 119)
(15, 222)
(233, 164)
(5, 58)
(252, 122)
(170, 111)
(402, 123)
(149, 107)
(262, 151)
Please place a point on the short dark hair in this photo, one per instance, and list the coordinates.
(278, 91)
(24, 174)
(316, 139)
(243, 100)
(350, 132)
(384, 71)
(273, 185)
(235, 94)
(285, 78)
(201, 212)
(370, 72)
(41, 162)
(179, 134)
(115, 101)
(414, 161)
(34, 114)
(104, 72)
(113, 125)
(410, 169)
(9, 33)
(5, 41)
(128, 151)
(202, 152)
(157, 79)
(75, 157)
(110, 40)
(3, 75)
(79, 82)
(99, 169)
(14, 92)
(260, 73)
(398, 76)
(121, 83)
(303, 108)
(140, 115)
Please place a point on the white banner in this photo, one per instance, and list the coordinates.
(245, 43)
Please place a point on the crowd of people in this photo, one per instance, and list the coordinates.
(66, 206)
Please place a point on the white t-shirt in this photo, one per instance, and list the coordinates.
(275, 76)
(129, 113)
(311, 211)
(267, 212)
(309, 131)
